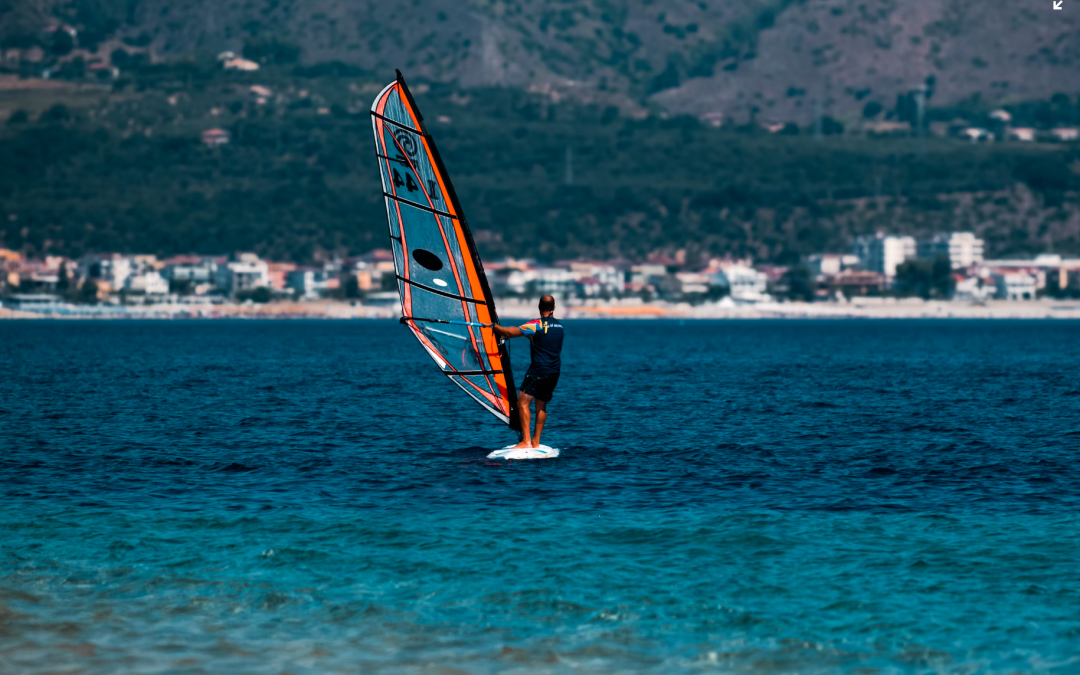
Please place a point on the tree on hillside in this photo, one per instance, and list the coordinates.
(56, 113)
(831, 127)
(271, 50)
(668, 79)
(925, 278)
(88, 294)
(800, 283)
(62, 42)
(352, 287)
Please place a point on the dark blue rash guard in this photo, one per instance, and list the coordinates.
(545, 345)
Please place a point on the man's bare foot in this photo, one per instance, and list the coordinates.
(524, 445)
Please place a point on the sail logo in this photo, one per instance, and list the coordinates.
(407, 142)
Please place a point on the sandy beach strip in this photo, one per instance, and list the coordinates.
(514, 309)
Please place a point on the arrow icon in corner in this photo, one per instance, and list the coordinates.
(1057, 4)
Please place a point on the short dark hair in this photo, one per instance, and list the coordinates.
(547, 304)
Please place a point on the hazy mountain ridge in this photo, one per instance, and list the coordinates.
(852, 52)
(723, 58)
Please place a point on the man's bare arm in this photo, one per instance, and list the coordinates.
(511, 332)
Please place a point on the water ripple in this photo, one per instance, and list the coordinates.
(780, 497)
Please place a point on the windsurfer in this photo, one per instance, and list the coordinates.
(545, 339)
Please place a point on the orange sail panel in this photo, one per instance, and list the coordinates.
(445, 297)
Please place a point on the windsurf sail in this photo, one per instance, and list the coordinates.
(445, 298)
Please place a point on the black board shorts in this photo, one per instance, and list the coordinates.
(540, 386)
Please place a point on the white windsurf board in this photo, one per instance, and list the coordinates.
(509, 452)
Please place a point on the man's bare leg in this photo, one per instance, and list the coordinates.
(541, 417)
(523, 412)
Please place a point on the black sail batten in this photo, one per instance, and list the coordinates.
(436, 291)
(419, 206)
(396, 160)
(504, 351)
(399, 125)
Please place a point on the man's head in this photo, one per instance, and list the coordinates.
(547, 304)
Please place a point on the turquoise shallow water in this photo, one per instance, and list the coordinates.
(858, 497)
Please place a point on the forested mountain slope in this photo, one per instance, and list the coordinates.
(779, 59)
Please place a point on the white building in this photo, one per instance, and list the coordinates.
(647, 274)
(245, 273)
(1049, 269)
(308, 281)
(1025, 134)
(744, 283)
(149, 283)
(240, 64)
(195, 269)
(260, 94)
(42, 275)
(1015, 285)
(825, 264)
(963, 249)
(111, 268)
(972, 289)
(977, 135)
(694, 282)
(527, 280)
(882, 254)
(607, 277)
(541, 281)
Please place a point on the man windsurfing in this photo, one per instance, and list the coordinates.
(545, 345)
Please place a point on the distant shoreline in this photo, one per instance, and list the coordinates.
(863, 308)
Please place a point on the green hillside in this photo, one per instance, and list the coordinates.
(125, 170)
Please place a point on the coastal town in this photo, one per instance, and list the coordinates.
(214, 111)
(884, 271)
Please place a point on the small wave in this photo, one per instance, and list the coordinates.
(234, 467)
(882, 471)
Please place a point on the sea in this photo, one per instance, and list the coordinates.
(763, 497)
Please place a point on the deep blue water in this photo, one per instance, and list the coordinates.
(733, 497)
